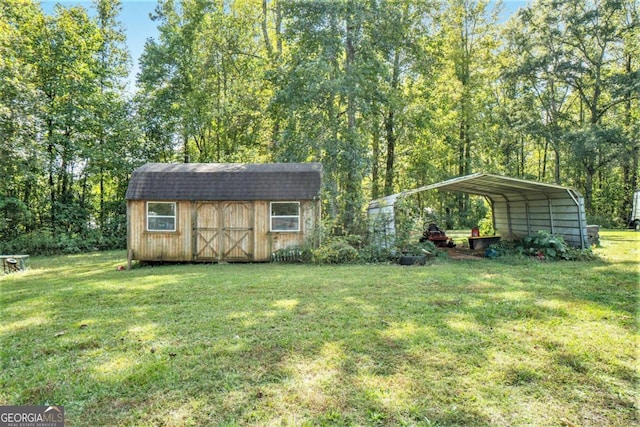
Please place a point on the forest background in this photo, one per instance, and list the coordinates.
(388, 95)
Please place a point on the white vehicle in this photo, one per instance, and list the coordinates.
(635, 212)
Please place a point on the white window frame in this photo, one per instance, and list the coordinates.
(271, 217)
(174, 216)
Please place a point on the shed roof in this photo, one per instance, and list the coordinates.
(225, 181)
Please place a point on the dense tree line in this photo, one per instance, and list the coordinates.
(387, 94)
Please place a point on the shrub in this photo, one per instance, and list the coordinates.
(44, 242)
(13, 215)
(485, 227)
(542, 245)
(606, 221)
(376, 253)
(337, 250)
(419, 248)
(577, 254)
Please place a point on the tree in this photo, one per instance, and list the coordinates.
(111, 135)
(630, 20)
(578, 45)
(68, 132)
(468, 34)
(65, 46)
(320, 91)
(400, 38)
(20, 158)
(203, 76)
(536, 72)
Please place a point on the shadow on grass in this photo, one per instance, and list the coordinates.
(208, 344)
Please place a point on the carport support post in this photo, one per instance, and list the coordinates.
(553, 227)
(508, 202)
(580, 225)
(526, 208)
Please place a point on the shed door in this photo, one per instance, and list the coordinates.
(206, 231)
(237, 231)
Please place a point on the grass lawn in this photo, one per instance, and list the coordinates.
(452, 343)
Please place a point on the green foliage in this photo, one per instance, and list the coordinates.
(337, 250)
(546, 245)
(44, 242)
(358, 249)
(387, 95)
(374, 253)
(418, 248)
(410, 221)
(14, 215)
(606, 221)
(542, 246)
(577, 254)
(485, 226)
(68, 138)
(202, 85)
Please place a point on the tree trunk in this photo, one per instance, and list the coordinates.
(101, 214)
(391, 148)
(588, 190)
(265, 30)
(353, 183)
(390, 127)
(543, 173)
(375, 154)
(556, 169)
(629, 162)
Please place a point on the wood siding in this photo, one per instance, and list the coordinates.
(217, 231)
(158, 245)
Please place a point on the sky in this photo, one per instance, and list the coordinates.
(139, 26)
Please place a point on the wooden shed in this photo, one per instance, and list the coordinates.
(214, 212)
(520, 207)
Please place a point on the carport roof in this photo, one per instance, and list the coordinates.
(495, 187)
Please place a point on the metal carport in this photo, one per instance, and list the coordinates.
(520, 207)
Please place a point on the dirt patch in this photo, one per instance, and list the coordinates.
(463, 253)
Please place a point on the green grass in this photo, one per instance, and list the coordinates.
(453, 343)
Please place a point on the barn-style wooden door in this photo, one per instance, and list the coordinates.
(206, 231)
(223, 231)
(237, 231)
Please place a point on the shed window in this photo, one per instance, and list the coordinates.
(161, 216)
(285, 216)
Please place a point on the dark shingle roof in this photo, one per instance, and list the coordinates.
(225, 181)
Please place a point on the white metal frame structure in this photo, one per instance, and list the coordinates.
(520, 207)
